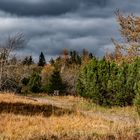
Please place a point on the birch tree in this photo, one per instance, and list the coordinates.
(7, 67)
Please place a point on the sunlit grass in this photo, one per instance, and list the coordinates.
(20, 127)
(99, 125)
(79, 103)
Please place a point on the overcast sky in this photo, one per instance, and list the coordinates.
(51, 25)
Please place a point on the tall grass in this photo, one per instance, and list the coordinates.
(17, 127)
(94, 123)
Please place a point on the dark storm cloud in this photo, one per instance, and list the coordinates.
(48, 36)
(48, 7)
(51, 25)
(36, 8)
(95, 8)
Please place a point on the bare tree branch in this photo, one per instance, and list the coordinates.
(7, 69)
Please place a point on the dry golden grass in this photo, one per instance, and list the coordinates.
(12, 98)
(17, 127)
(78, 103)
(67, 101)
(71, 102)
(95, 122)
(10, 103)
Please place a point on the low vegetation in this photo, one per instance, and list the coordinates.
(28, 106)
(86, 123)
(65, 127)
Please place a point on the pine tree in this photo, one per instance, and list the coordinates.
(35, 83)
(52, 62)
(30, 62)
(55, 82)
(75, 58)
(108, 84)
(90, 55)
(42, 60)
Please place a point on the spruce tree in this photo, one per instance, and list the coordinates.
(30, 62)
(55, 82)
(109, 84)
(34, 83)
(90, 55)
(52, 62)
(42, 60)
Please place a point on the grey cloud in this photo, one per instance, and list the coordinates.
(100, 8)
(51, 35)
(51, 25)
(50, 7)
(31, 8)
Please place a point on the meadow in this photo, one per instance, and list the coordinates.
(78, 119)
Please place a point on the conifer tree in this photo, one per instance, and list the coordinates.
(90, 55)
(55, 82)
(109, 84)
(30, 62)
(52, 62)
(42, 60)
(75, 58)
(35, 83)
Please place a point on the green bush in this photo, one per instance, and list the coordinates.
(35, 83)
(108, 84)
(55, 83)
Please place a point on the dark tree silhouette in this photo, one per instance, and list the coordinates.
(90, 55)
(42, 60)
(28, 61)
